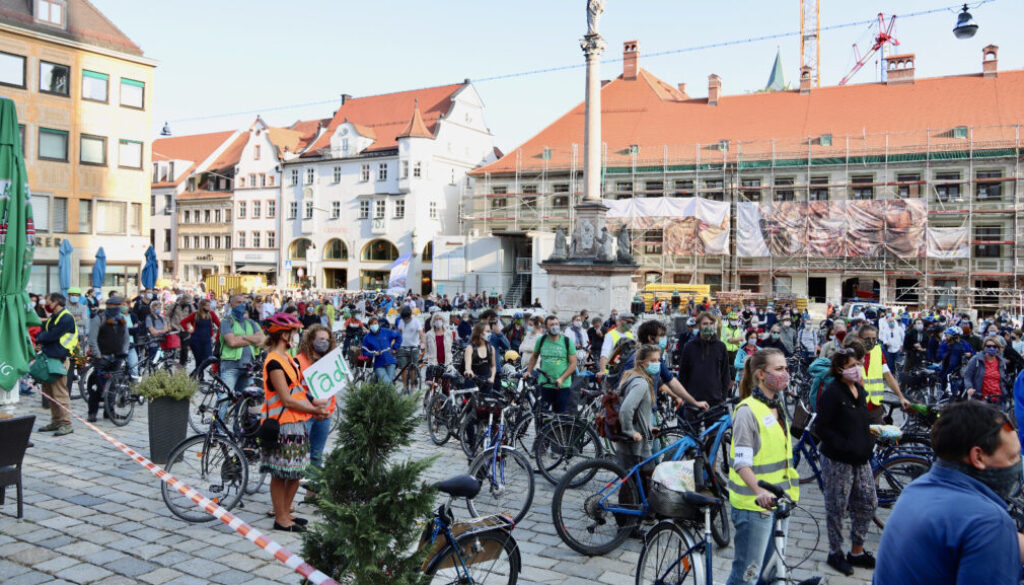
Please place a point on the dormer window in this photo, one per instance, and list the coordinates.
(960, 132)
(52, 12)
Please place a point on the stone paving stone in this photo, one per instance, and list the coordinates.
(83, 573)
(79, 549)
(55, 564)
(30, 555)
(116, 580)
(12, 569)
(129, 566)
(85, 500)
(187, 580)
(160, 576)
(30, 578)
(230, 577)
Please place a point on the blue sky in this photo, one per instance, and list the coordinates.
(222, 56)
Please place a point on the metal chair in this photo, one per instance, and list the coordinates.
(14, 434)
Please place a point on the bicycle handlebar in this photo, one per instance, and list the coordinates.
(775, 490)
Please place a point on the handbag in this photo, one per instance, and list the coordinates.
(170, 341)
(269, 433)
(45, 369)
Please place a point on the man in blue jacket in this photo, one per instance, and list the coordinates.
(950, 526)
(380, 345)
(57, 340)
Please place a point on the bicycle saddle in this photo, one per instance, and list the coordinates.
(252, 392)
(700, 500)
(459, 486)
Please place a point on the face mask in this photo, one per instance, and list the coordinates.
(840, 336)
(124, 309)
(577, 324)
(238, 311)
(1002, 480)
(1018, 346)
(555, 329)
(487, 336)
(374, 328)
(707, 331)
(626, 326)
(776, 382)
(733, 323)
(787, 323)
(752, 342)
(321, 346)
(919, 326)
(438, 324)
(993, 351)
(35, 303)
(991, 333)
(662, 342)
(74, 298)
(854, 374)
(158, 312)
(653, 368)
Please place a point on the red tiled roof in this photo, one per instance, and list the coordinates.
(388, 114)
(195, 148)
(308, 130)
(416, 127)
(285, 138)
(196, 195)
(225, 163)
(85, 23)
(900, 118)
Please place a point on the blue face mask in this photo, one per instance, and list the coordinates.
(992, 350)
(653, 368)
(238, 311)
(374, 328)
(662, 342)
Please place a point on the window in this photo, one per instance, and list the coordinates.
(382, 172)
(751, 189)
(256, 152)
(92, 150)
(379, 209)
(293, 209)
(50, 12)
(947, 191)
(184, 243)
(654, 188)
(750, 282)
(255, 239)
(206, 216)
(169, 205)
(960, 132)
(433, 210)
(227, 242)
(714, 187)
(241, 209)
(560, 201)
(271, 239)
(241, 182)
(216, 242)
(987, 186)
(344, 146)
(263, 179)
(783, 284)
(195, 242)
(310, 175)
(130, 154)
(53, 145)
(499, 202)
(252, 179)
(561, 188)
(206, 242)
(241, 239)
(500, 190)
(529, 202)
(12, 70)
(295, 176)
(270, 180)
(271, 209)
(337, 174)
(992, 233)
(652, 241)
(94, 86)
(167, 240)
(405, 169)
(364, 174)
(188, 217)
(335, 250)
(84, 216)
(217, 218)
(786, 193)
(135, 219)
(133, 94)
(152, 205)
(309, 209)
(53, 78)
(335, 209)
(41, 212)
(530, 189)
(364, 210)
(451, 181)
(861, 187)
(255, 209)
(399, 208)
(683, 188)
(908, 185)
(110, 217)
(417, 170)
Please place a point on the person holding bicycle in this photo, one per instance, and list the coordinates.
(761, 450)
(480, 361)
(557, 355)
(413, 340)
(380, 344)
(986, 371)
(202, 327)
(109, 341)
(637, 392)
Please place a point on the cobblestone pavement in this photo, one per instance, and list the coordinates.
(92, 515)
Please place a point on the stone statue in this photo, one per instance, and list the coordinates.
(594, 10)
(625, 246)
(606, 253)
(561, 251)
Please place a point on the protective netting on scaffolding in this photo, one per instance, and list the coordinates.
(690, 226)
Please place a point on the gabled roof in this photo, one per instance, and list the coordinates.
(85, 24)
(644, 112)
(194, 148)
(284, 138)
(388, 114)
(226, 162)
(416, 128)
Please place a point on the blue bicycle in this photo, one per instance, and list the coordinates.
(506, 474)
(598, 504)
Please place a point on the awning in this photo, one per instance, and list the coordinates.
(256, 268)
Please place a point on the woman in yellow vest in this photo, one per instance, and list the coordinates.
(761, 450)
(285, 400)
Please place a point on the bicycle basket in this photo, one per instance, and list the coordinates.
(801, 419)
(671, 504)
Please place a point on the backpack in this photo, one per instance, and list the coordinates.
(607, 421)
(819, 371)
(624, 350)
(110, 338)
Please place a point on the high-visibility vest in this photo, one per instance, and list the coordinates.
(773, 462)
(728, 333)
(273, 407)
(228, 353)
(874, 385)
(69, 340)
(616, 335)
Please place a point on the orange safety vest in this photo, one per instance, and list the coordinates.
(304, 363)
(272, 405)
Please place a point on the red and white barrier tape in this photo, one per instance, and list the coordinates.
(250, 533)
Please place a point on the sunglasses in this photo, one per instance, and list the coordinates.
(1005, 425)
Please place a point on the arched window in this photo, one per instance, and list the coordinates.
(380, 251)
(335, 250)
(428, 252)
(297, 251)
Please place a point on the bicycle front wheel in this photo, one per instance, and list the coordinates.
(491, 558)
(892, 476)
(118, 400)
(508, 486)
(669, 556)
(581, 515)
(202, 405)
(439, 414)
(562, 443)
(212, 465)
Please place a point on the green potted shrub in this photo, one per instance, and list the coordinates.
(168, 396)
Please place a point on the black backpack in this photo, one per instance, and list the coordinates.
(110, 338)
(624, 350)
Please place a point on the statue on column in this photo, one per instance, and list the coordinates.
(606, 252)
(625, 247)
(561, 251)
(594, 10)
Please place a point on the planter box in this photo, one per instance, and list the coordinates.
(168, 426)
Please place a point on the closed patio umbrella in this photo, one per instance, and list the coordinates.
(64, 266)
(99, 269)
(149, 271)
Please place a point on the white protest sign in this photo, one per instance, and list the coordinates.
(328, 375)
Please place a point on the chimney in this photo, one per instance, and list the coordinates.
(990, 61)
(345, 97)
(805, 79)
(630, 58)
(714, 89)
(899, 69)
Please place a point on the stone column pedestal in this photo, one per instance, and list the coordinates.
(576, 285)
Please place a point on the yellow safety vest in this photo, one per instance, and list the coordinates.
(68, 340)
(773, 462)
(728, 333)
(616, 336)
(874, 385)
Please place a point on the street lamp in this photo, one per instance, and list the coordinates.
(965, 25)
(167, 130)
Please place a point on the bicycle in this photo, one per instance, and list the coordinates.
(480, 550)
(119, 399)
(492, 465)
(412, 368)
(444, 412)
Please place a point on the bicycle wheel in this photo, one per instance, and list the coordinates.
(212, 465)
(562, 443)
(582, 519)
(470, 423)
(82, 383)
(522, 433)
(668, 556)
(256, 477)
(803, 465)
(507, 483)
(202, 405)
(118, 400)
(892, 476)
(488, 558)
(438, 419)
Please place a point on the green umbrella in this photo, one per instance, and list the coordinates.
(17, 246)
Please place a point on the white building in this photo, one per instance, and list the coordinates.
(383, 179)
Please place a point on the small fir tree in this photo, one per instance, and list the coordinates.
(371, 496)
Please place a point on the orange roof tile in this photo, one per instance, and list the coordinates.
(225, 163)
(416, 127)
(196, 195)
(195, 148)
(659, 119)
(285, 139)
(388, 114)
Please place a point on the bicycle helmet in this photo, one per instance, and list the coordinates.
(517, 315)
(282, 322)
(953, 331)
(511, 355)
(74, 291)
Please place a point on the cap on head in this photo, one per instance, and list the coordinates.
(626, 317)
(74, 291)
(114, 302)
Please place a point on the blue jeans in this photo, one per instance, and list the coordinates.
(753, 545)
(235, 376)
(317, 430)
(133, 362)
(385, 374)
(558, 398)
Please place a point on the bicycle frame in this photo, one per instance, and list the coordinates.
(442, 525)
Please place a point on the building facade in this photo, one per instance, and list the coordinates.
(83, 92)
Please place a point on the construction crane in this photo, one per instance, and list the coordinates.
(810, 50)
(883, 39)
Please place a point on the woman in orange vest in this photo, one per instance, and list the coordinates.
(285, 400)
(317, 342)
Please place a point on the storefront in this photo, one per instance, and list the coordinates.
(374, 279)
(261, 263)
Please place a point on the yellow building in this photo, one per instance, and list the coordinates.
(84, 96)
